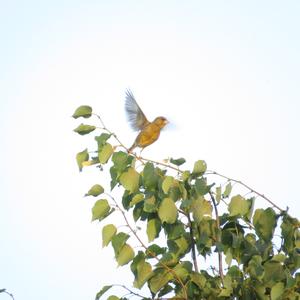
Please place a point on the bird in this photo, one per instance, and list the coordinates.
(148, 131)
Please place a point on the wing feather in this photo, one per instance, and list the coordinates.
(135, 115)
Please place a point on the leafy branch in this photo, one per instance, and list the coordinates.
(191, 213)
(176, 168)
(149, 251)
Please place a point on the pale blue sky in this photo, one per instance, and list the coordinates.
(226, 73)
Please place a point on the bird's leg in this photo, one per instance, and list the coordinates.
(141, 151)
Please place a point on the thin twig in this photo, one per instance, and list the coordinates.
(218, 237)
(110, 132)
(129, 290)
(161, 164)
(247, 187)
(193, 244)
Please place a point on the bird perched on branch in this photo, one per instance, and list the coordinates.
(149, 131)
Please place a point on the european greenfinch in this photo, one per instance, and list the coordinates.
(149, 131)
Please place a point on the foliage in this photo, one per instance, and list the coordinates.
(186, 217)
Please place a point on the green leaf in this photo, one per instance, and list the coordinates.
(82, 157)
(100, 210)
(105, 153)
(101, 139)
(156, 250)
(264, 222)
(84, 111)
(218, 194)
(91, 162)
(181, 271)
(150, 205)
(136, 199)
(144, 272)
(102, 291)
(227, 191)
(178, 246)
(167, 184)
(198, 279)
(95, 190)
(279, 257)
(150, 176)
(183, 191)
(227, 289)
(238, 206)
(228, 258)
(290, 233)
(201, 209)
(126, 199)
(83, 129)
(185, 175)
(137, 211)
(174, 231)
(165, 290)
(250, 202)
(255, 267)
(108, 231)
(277, 290)
(121, 160)
(175, 192)
(113, 297)
(201, 186)
(130, 180)
(153, 229)
(160, 278)
(225, 292)
(125, 255)
(118, 241)
(199, 167)
(178, 162)
(137, 259)
(167, 211)
(274, 272)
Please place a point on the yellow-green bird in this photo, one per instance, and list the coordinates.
(149, 131)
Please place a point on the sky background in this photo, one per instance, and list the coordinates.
(225, 73)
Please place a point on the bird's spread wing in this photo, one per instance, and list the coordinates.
(135, 115)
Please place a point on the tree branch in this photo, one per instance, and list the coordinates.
(193, 244)
(129, 290)
(160, 163)
(247, 187)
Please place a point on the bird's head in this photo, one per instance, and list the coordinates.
(161, 122)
